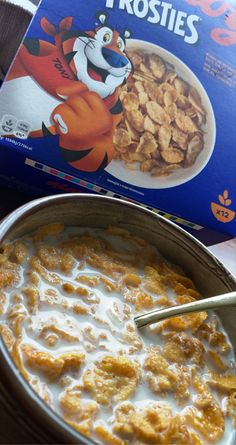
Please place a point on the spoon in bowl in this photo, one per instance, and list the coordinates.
(218, 302)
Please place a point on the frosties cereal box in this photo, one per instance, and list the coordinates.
(131, 98)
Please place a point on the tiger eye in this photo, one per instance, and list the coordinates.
(106, 37)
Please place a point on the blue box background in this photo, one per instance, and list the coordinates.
(190, 200)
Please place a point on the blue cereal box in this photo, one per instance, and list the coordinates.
(133, 98)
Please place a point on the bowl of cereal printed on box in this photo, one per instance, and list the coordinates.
(74, 272)
(167, 134)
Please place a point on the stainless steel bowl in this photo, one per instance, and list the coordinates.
(209, 275)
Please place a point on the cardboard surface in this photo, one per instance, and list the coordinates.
(55, 131)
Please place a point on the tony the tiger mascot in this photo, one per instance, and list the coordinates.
(70, 89)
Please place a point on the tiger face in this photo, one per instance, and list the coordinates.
(100, 60)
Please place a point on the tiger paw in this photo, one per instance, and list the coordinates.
(81, 118)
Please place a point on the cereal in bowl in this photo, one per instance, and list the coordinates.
(162, 129)
(68, 300)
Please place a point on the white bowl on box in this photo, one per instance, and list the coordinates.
(143, 179)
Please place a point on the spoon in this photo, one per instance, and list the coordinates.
(220, 301)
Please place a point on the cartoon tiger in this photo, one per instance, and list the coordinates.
(70, 89)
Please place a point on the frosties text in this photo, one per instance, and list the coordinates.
(162, 13)
(181, 23)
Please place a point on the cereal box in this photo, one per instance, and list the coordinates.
(133, 98)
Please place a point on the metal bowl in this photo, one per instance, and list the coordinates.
(209, 275)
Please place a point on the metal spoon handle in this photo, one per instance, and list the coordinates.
(224, 300)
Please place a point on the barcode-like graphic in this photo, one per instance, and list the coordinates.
(97, 189)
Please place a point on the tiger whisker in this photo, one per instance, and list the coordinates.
(87, 42)
(145, 76)
(92, 43)
(89, 45)
(128, 70)
(84, 41)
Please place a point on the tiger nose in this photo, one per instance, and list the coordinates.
(114, 59)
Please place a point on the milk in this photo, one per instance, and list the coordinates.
(101, 321)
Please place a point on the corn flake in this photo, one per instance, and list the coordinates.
(159, 378)
(181, 347)
(145, 425)
(112, 378)
(52, 229)
(208, 421)
(225, 383)
(157, 113)
(52, 367)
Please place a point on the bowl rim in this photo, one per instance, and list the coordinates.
(24, 391)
